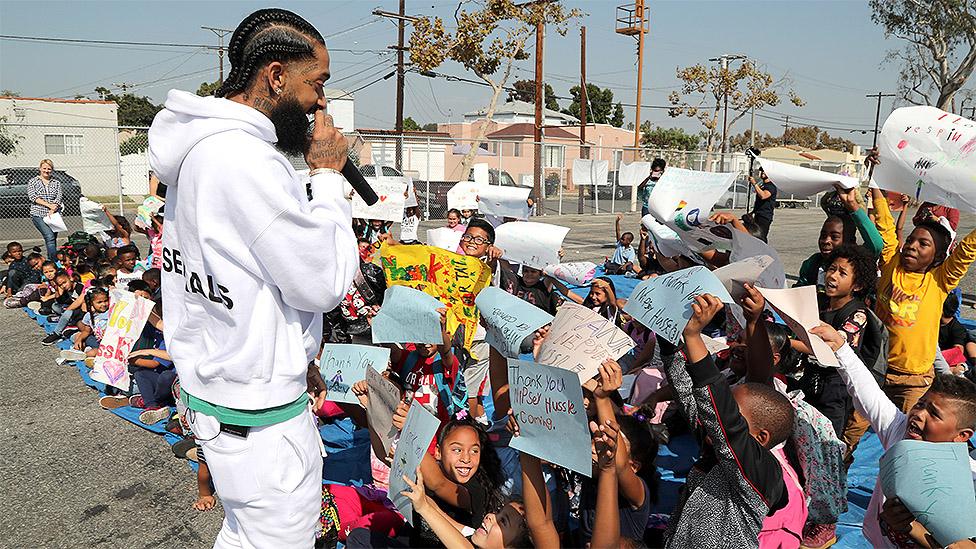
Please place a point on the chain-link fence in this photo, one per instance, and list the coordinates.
(107, 164)
(110, 165)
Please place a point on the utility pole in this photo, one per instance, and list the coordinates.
(786, 130)
(537, 134)
(724, 61)
(124, 86)
(640, 70)
(402, 19)
(877, 114)
(221, 33)
(584, 100)
(752, 127)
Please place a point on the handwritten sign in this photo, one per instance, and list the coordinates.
(578, 273)
(126, 318)
(663, 304)
(384, 397)
(418, 431)
(445, 238)
(411, 200)
(799, 309)
(666, 241)
(504, 201)
(389, 207)
(590, 172)
(800, 181)
(145, 212)
(530, 243)
(452, 279)
(683, 200)
(745, 246)
(480, 173)
(508, 319)
(927, 154)
(934, 481)
(580, 340)
(634, 174)
(342, 366)
(407, 316)
(548, 404)
(93, 218)
(746, 271)
(463, 195)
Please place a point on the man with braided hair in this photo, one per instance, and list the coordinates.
(250, 264)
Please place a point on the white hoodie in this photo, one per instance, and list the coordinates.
(249, 263)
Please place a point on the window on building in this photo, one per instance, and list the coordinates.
(62, 144)
(618, 158)
(555, 156)
(516, 149)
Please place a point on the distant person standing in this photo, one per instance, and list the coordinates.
(762, 210)
(44, 194)
(646, 186)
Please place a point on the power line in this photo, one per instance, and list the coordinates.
(364, 86)
(103, 79)
(49, 39)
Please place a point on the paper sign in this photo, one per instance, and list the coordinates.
(800, 181)
(580, 340)
(145, 212)
(418, 431)
(578, 273)
(633, 174)
(452, 279)
(529, 243)
(93, 218)
(407, 316)
(411, 200)
(342, 366)
(663, 304)
(799, 309)
(683, 200)
(504, 201)
(445, 238)
(508, 319)
(927, 153)
(480, 173)
(590, 172)
(933, 480)
(745, 246)
(384, 397)
(126, 318)
(389, 207)
(715, 345)
(548, 404)
(463, 196)
(746, 271)
(666, 241)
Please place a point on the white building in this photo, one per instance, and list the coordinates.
(78, 135)
(520, 112)
(342, 106)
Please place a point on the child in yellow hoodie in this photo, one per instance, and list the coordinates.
(914, 283)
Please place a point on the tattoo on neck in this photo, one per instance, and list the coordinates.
(262, 104)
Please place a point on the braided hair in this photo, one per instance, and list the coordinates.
(266, 35)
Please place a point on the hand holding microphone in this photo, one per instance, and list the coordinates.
(329, 149)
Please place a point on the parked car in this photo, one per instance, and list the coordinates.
(505, 180)
(736, 196)
(369, 170)
(13, 191)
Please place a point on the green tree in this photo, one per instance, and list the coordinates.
(8, 139)
(486, 41)
(410, 125)
(704, 88)
(617, 120)
(599, 109)
(524, 90)
(430, 127)
(940, 46)
(207, 89)
(805, 137)
(136, 144)
(675, 139)
(9, 93)
(133, 110)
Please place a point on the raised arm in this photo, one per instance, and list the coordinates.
(616, 225)
(606, 524)
(869, 233)
(952, 271)
(538, 507)
(759, 353)
(427, 508)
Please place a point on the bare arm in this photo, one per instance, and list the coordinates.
(538, 508)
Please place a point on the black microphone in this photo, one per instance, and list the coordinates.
(358, 182)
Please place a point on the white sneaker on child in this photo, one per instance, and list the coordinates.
(150, 417)
(73, 354)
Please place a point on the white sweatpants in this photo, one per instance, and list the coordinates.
(269, 483)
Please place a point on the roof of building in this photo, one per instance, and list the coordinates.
(58, 100)
(406, 133)
(523, 108)
(527, 129)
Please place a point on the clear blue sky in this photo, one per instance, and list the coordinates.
(830, 49)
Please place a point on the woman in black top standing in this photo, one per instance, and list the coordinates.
(762, 211)
(44, 194)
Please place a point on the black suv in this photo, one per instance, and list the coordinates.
(13, 191)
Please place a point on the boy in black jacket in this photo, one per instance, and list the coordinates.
(737, 481)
